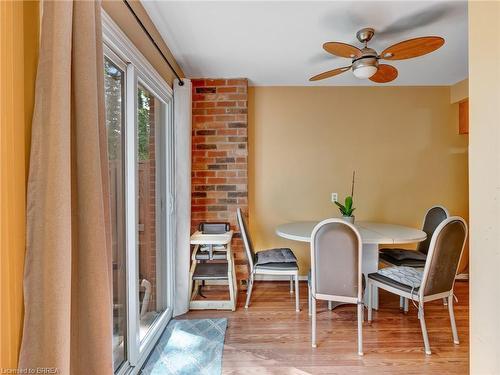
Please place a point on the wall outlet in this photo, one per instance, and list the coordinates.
(335, 197)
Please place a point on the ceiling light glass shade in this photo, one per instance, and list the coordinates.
(364, 72)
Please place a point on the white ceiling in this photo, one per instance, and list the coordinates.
(279, 42)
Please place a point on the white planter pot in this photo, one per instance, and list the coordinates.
(348, 219)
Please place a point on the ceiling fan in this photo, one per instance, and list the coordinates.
(365, 62)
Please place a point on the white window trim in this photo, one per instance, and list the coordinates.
(114, 38)
(138, 69)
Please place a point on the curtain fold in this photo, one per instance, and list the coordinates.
(67, 282)
(182, 131)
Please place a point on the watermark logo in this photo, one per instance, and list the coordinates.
(31, 370)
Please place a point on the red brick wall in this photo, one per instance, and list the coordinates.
(220, 155)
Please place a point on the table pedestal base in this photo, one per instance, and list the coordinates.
(370, 265)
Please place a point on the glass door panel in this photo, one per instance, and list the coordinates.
(114, 101)
(140, 161)
(150, 254)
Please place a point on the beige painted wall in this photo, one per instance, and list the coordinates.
(484, 103)
(459, 91)
(305, 142)
(18, 59)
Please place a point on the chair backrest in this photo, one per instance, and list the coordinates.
(336, 254)
(434, 216)
(247, 241)
(445, 251)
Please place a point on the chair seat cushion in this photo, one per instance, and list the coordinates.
(403, 257)
(288, 266)
(390, 282)
(281, 255)
(405, 275)
(403, 254)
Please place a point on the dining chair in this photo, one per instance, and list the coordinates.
(411, 258)
(336, 276)
(259, 262)
(438, 277)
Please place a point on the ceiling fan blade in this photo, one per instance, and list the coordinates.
(330, 73)
(427, 16)
(412, 48)
(342, 49)
(385, 73)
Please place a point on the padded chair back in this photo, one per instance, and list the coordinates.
(247, 241)
(446, 248)
(434, 216)
(336, 259)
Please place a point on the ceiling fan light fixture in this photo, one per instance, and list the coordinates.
(365, 67)
(364, 72)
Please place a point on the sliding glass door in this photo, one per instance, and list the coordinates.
(114, 90)
(149, 162)
(140, 160)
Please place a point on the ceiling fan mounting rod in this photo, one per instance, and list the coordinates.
(365, 35)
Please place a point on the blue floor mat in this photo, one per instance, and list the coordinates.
(188, 347)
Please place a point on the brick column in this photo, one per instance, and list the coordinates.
(220, 156)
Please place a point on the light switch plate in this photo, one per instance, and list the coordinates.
(335, 197)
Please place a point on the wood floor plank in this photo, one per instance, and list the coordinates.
(271, 338)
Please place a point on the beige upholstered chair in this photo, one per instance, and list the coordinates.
(256, 267)
(438, 278)
(336, 253)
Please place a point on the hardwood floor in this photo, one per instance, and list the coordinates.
(271, 338)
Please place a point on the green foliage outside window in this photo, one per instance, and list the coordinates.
(143, 123)
(113, 87)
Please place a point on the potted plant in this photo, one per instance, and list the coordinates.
(347, 209)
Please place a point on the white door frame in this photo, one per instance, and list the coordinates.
(138, 70)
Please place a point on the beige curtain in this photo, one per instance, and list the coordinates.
(68, 315)
(182, 139)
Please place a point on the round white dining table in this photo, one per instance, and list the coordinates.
(372, 234)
